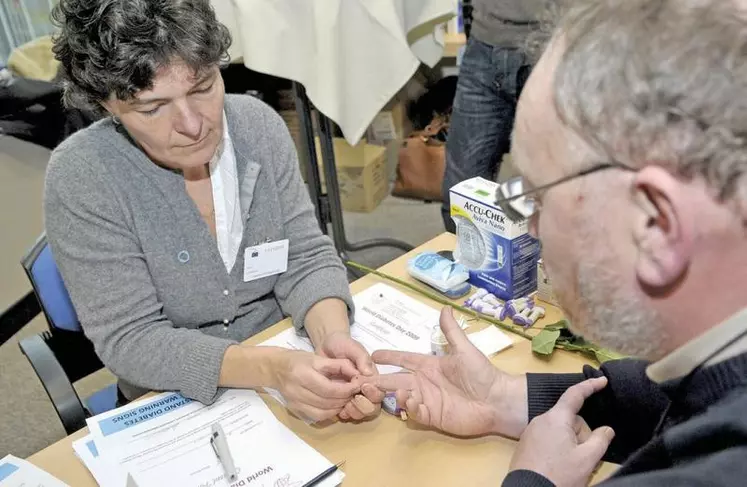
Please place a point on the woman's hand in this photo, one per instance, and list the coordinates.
(341, 345)
(317, 388)
(329, 330)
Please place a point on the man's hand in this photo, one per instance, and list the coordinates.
(340, 345)
(317, 388)
(461, 393)
(559, 443)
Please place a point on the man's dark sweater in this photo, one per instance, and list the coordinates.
(704, 441)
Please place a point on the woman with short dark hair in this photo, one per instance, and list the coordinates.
(180, 222)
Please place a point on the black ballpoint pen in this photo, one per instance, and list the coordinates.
(324, 475)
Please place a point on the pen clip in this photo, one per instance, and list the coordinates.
(220, 447)
(130, 481)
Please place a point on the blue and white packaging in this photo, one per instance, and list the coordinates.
(500, 253)
(436, 271)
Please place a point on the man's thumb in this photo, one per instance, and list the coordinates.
(451, 329)
(596, 445)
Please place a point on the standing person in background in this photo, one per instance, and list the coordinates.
(491, 74)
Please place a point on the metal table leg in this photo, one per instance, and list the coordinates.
(329, 207)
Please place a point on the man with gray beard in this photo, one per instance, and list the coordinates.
(631, 141)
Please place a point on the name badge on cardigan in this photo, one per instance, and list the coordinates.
(265, 260)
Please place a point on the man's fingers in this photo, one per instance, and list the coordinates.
(597, 443)
(412, 406)
(344, 415)
(582, 429)
(402, 396)
(419, 413)
(351, 412)
(407, 360)
(451, 329)
(392, 382)
(373, 393)
(573, 399)
(366, 407)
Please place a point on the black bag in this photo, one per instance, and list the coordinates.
(33, 111)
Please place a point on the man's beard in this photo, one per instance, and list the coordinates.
(613, 317)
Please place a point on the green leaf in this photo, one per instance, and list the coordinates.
(558, 325)
(603, 355)
(544, 342)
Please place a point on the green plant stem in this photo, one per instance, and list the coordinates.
(586, 350)
(517, 330)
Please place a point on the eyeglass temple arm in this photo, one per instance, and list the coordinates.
(579, 174)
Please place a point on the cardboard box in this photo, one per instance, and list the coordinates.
(361, 174)
(544, 288)
(499, 252)
(388, 125)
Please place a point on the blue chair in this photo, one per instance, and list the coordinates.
(62, 355)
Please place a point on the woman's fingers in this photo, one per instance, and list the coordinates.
(307, 396)
(313, 413)
(317, 379)
(335, 367)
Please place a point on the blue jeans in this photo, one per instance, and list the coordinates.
(490, 81)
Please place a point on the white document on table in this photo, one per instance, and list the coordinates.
(86, 451)
(164, 440)
(385, 318)
(15, 472)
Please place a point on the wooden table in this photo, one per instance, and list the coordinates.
(384, 451)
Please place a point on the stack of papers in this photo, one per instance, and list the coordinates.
(15, 472)
(165, 440)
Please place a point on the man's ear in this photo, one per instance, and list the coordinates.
(663, 228)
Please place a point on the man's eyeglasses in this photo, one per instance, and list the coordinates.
(518, 203)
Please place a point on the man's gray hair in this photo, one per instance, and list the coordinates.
(658, 82)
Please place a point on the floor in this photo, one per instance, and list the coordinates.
(29, 422)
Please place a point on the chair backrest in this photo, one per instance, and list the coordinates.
(71, 348)
(49, 287)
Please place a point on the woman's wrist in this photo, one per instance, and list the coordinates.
(325, 318)
(246, 366)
